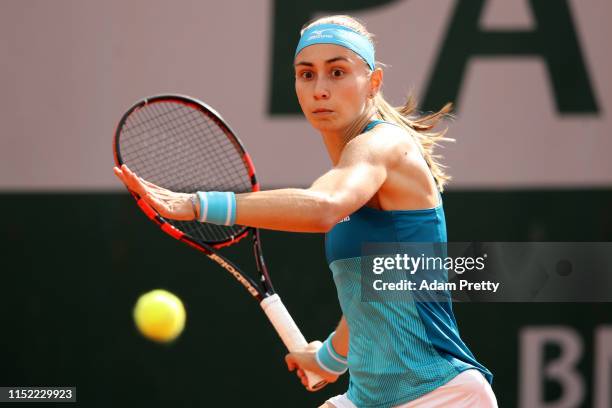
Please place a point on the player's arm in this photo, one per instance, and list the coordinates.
(340, 340)
(360, 172)
(358, 175)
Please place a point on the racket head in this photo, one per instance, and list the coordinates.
(182, 144)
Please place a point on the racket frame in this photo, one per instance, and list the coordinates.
(263, 291)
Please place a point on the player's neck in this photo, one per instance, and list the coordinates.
(336, 140)
(334, 143)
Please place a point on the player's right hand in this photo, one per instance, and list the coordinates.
(171, 205)
(304, 359)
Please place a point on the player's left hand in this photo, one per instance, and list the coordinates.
(305, 360)
(171, 205)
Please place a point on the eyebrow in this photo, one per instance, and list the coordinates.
(329, 61)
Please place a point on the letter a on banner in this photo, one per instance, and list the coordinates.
(554, 40)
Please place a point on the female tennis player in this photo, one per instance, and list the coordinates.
(384, 186)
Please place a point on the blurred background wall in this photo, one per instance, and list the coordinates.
(531, 83)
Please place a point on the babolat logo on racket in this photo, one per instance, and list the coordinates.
(234, 272)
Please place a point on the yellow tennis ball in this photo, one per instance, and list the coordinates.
(159, 315)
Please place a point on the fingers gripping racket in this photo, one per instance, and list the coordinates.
(182, 144)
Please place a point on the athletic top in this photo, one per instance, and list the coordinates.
(398, 351)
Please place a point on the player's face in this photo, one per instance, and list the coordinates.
(332, 85)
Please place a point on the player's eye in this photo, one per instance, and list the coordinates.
(337, 73)
(306, 75)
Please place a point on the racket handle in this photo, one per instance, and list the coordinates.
(289, 333)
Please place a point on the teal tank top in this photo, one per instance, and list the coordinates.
(398, 351)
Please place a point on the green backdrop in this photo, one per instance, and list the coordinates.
(74, 265)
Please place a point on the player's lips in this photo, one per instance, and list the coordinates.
(322, 111)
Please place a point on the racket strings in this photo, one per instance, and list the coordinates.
(179, 147)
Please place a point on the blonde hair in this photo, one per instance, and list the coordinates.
(406, 117)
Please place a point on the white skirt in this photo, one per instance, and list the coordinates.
(469, 389)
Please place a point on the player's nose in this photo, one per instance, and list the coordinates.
(321, 90)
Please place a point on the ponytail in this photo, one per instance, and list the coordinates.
(420, 128)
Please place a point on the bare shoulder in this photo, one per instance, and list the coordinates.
(387, 143)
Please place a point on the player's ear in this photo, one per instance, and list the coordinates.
(376, 80)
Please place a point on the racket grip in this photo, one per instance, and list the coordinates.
(289, 333)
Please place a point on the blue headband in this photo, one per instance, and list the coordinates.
(339, 35)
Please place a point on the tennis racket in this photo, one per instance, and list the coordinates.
(182, 144)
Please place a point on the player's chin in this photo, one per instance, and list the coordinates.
(324, 123)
